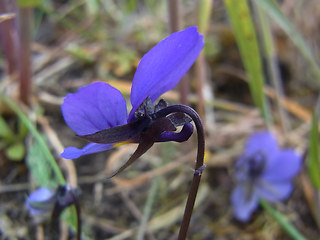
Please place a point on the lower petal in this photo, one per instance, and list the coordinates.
(274, 191)
(243, 206)
(72, 152)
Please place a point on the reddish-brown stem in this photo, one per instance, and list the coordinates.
(9, 37)
(25, 18)
(174, 15)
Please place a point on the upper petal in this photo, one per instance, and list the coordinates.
(42, 194)
(283, 167)
(263, 142)
(260, 147)
(163, 66)
(40, 201)
(94, 107)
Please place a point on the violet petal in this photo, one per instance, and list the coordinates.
(263, 142)
(181, 136)
(243, 207)
(274, 191)
(73, 153)
(283, 167)
(94, 107)
(164, 65)
(40, 201)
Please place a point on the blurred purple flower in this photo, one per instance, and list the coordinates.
(264, 171)
(98, 112)
(41, 201)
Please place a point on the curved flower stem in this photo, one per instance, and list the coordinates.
(199, 163)
(78, 211)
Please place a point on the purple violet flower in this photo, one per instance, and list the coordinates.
(264, 171)
(98, 112)
(41, 201)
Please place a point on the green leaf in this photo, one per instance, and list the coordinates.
(22, 130)
(313, 163)
(245, 35)
(16, 151)
(131, 6)
(28, 3)
(5, 131)
(40, 167)
(273, 10)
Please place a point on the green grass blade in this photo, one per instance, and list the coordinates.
(313, 163)
(273, 10)
(28, 3)
(204, 13)
(287, 226)
(272, 64)
(245, 35)
(42, 144)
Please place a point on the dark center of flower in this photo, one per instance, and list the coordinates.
(255, 165)
(147, 110)
(249, 171)
(148, 113)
